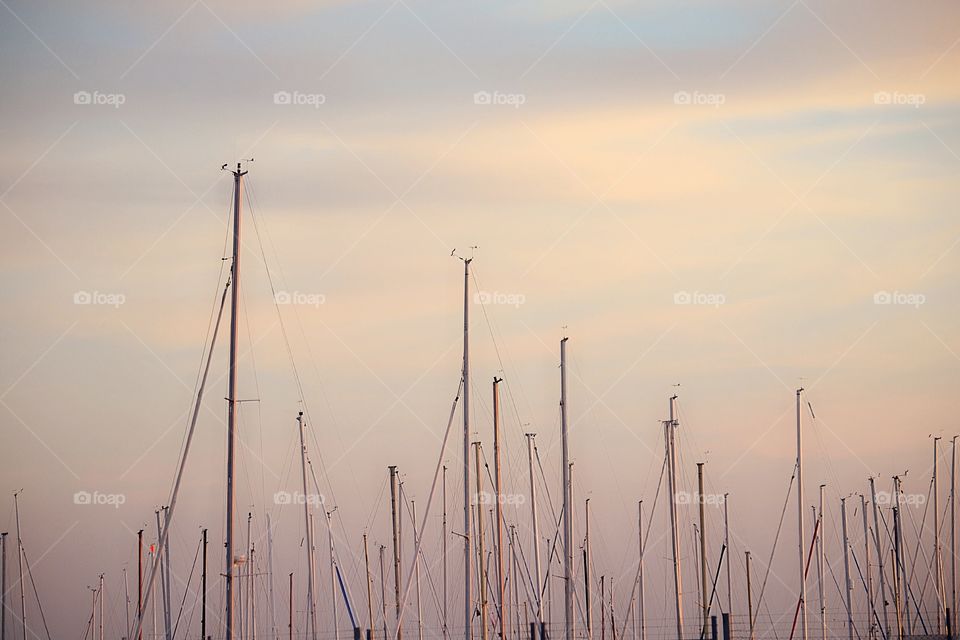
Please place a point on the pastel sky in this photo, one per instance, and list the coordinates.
(788, 167)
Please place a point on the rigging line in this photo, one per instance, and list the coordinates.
(293, 364)
(426, 514)
(35, 594)
(186, 588)
(179, 476)
(653, 510)
(776, 538)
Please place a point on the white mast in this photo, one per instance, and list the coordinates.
(726, 544)
(308, 524)
(396, 546)
(416, 564)
(703, 553)
(871, 605)
(800, 536)
(482, 561)
(467, 550)
(846, 568)
(880, 559)
(953, 535)
(23, 605)
(333, 577)
(937, 566)
(273, 610)
(536, 537)
(642, 612)
(669, 429)
(101, 607)
(232, 393)
(499, 505)
(443, 543)
(567, 499)
(820, 563)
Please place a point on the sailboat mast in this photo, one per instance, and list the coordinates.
(23, 601)
(953, 534)
(232, 394)
(467, 550)
(800, 535)
(871, 605)
(669, 430)
(308, 526)
(818, 522)
(587, 599)
(880, 558)
(726, 546)
(396, 546)
(846, 568)
(567, 499)
(203, 594)
(536, 535)
(333, 575)
(703, 553)
(443, 544)
(3, 587)
(482, 560)
(499, 505)
(749, 595)
(937, 565)
(416, 566)
(366, 565)
(642, 605)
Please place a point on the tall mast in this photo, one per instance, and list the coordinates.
(203, 591)
(567, 499)
(726, 546)
(3, 587)
(369, 581)
(953, 534)
(140, 584)
(703, 553)
(467, 550)
(587, 599)
(820, 567)
(443, 544)
(880, 558)
(937, 567)
(499, 505)
(536, 535)
(101, 607)
(308, 525)
(669, 430)
(333, 573)
(396, 546)
(273, 608)
(846, 568)
(871, 605)
(642, 611)
(749, 595)
(416, 565)
(904, 581)
(232, 392)
(383, 594)
(800, 536)
(482, 560)
(289, 610)
(23, 602)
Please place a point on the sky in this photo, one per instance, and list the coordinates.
(736, 197)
